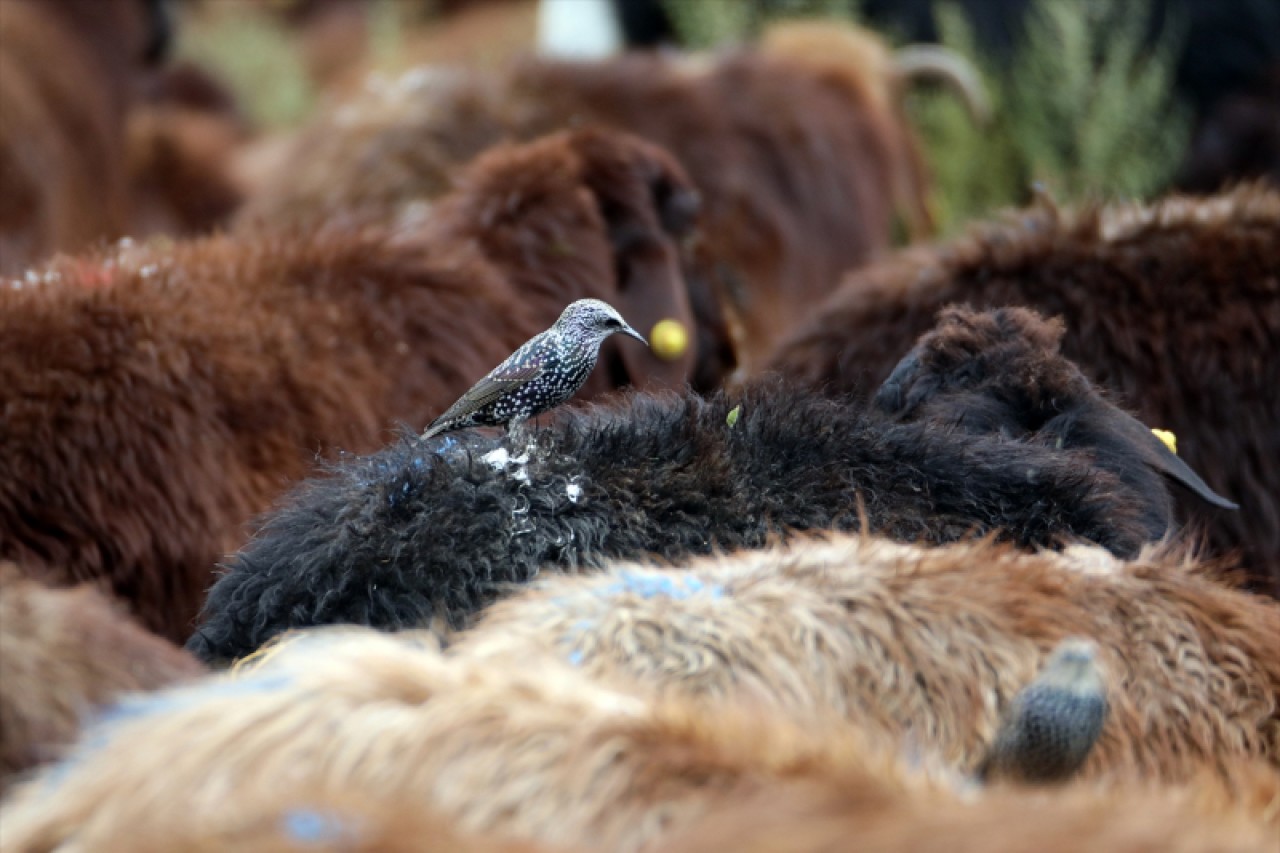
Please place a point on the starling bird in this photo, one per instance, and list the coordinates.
(1053, 722)
(547, 370)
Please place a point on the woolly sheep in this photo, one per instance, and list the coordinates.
(68, 71)
(924, 645)
(442, 527)
(1001, 371)
(65, 653)
(543, 756)
(157, 397)
(808, 818)
(1174, 307)
(298, 820)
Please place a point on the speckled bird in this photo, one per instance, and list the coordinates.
(1053, 722)
(543, 373)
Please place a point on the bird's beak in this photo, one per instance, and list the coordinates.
(627, 330)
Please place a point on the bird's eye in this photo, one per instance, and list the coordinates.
(612, 323)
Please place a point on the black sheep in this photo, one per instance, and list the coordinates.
(1172, 306)
(440, 528)
(1001, 372)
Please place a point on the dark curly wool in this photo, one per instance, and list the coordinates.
(1000, 372)
(1174, 307)
(431, 529)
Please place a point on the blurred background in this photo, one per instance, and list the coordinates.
(1090, 99)
(1080, 99)
(241, 238)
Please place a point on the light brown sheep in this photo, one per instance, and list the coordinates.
(296, 820)
(925, 645)
(542, 755)
(808, 818)
(64, 654)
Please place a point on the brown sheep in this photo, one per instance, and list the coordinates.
(65, 653)
(156, 398)
(924, 645)
(798, 147)
(543, 756)
(808, 818)
(298, 821)
(69, 71)
(184, 142)
(1175, 306)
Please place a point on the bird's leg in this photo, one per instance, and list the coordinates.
(516, 430)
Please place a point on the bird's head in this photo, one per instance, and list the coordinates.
(593, 320)
(1073, 666)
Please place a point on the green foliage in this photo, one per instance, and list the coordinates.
(1083, 108)
(974, 169)
(256, 56)
(1087, 107)
(706, 24)
(386, 32)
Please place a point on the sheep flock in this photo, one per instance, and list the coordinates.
(892, 539)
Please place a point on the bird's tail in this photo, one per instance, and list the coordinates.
(436, 428)
(1054, 722)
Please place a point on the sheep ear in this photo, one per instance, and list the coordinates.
(1158, 456)
(892, 396)
(651, 288)
(648, 207)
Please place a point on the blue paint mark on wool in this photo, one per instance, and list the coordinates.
(665, 586)
(101, 727)
(310, 827)
(394, 495)
(138, 707)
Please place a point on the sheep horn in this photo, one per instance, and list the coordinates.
(943, 64)
(1157, 455)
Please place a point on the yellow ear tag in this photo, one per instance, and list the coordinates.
(1170, 440)
(669, 339)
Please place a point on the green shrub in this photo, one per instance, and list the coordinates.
(1083, 108)
(258, 58)
(703, 24)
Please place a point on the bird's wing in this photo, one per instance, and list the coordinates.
(502, 380)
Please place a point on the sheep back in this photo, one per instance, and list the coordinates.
(440, 528)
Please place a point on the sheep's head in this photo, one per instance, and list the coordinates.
(649, 206)
(1001, 372)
